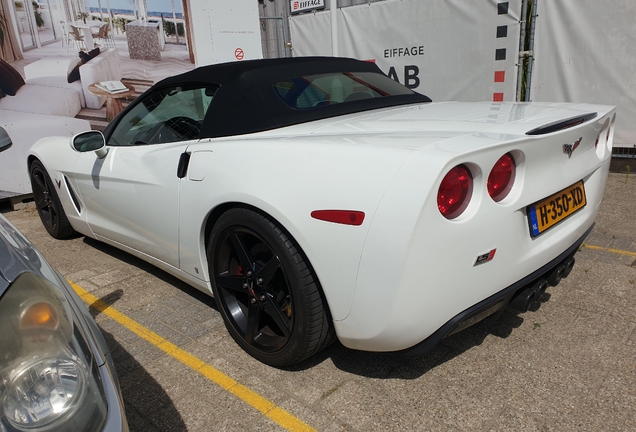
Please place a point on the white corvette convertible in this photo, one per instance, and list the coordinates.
(316, 198)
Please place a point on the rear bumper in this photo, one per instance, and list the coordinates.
(494, 303)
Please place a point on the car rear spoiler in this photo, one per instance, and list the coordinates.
(562, 124)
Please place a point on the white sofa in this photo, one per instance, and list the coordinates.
(45, 106)
(53, 72)
(32, 99)
(25, 129)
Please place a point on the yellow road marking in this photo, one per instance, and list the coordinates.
(616, 251)
(266, 407)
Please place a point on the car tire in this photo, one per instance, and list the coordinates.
(48, 204)
(265, 290)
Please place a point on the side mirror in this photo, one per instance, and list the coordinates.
(5, 141)
(90, 141)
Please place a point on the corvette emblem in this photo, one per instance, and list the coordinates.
(568, 149)
(58, 183)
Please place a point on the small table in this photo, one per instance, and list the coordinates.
(113, 102)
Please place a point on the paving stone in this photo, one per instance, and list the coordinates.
(318, 420)
(352, 403)
(168, 333)
(80, 276)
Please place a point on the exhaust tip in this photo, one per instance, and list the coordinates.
(530, 297)
(569, 265)
(556, 275)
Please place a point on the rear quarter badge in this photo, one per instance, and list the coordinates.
(484, 258)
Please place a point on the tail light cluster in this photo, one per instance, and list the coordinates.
(502, 177)
(605, 137)
(456, 189)
(455, 192)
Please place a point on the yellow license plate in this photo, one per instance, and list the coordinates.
(553, 209)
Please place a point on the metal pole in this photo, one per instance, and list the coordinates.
(174, 18)
(520, 59)
(531, 50)
(286, 38)
(143, 10)
(286, 43)
(333, 8)
(101, 14)
(110, 18)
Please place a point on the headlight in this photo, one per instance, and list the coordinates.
(49, 380)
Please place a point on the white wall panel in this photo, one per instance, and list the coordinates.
(585, 52)
(311, 34)
(446, 49)
(225, 31)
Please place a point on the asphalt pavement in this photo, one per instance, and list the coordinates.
(569, 366)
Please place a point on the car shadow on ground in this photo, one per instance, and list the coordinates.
(143, 397)
(399, 366)
(154, 271)
(366, 364)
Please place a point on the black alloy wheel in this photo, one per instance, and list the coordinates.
(48, 203)
(266, 293)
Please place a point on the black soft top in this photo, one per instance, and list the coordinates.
(247, 102)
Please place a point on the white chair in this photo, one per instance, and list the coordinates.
(65, 35)
(98, 33)
(109, 37)
(78, 39)
(104, 36)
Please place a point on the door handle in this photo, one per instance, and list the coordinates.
(182, 168)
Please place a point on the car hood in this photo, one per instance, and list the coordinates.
(415, 126)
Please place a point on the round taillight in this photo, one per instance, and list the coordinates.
(455, 192)
(501, 178)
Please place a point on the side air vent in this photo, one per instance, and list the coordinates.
(562, 124)
(76, 202)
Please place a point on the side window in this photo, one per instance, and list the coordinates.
(311, 91)
(164, 116)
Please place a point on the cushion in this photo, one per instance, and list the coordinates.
(10, 79)
(87, 56)
(73, 73)
(58, 82)
(53, 72)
